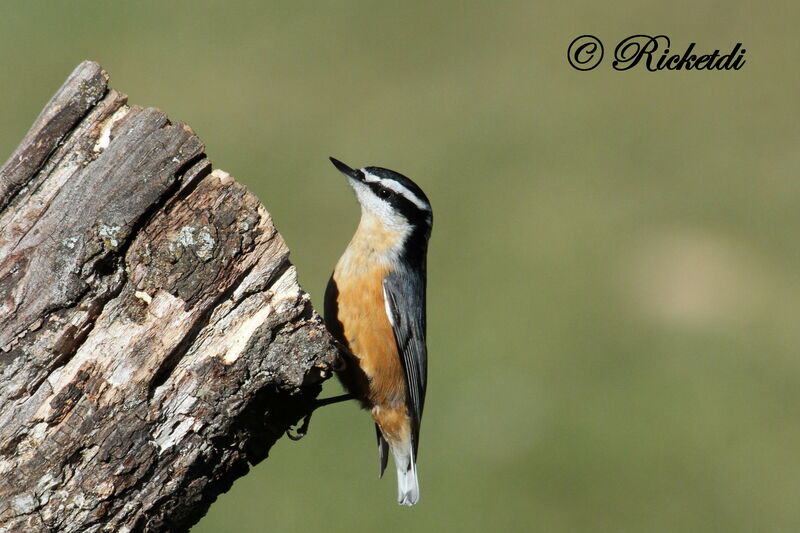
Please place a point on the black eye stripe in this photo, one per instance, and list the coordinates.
(403, 205)
(379, 190)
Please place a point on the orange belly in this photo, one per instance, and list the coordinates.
(374, 374)
(367, 333)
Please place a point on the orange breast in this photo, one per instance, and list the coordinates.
(356, 315)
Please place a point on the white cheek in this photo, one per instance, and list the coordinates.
(374, 205)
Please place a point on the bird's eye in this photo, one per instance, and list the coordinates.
(384, 193)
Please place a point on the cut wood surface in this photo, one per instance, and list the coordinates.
(153, 337)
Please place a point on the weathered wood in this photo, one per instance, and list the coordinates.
(86, 85)
(153, 337)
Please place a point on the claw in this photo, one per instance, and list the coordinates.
(301, 431)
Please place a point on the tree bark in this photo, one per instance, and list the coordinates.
(153, 337)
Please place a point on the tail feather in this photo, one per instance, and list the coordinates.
(383, 451)
(407, 481)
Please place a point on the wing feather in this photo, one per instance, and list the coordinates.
(404, 295)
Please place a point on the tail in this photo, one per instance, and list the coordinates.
(407, 482)
(383, 451)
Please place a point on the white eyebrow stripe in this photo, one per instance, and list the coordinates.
(370, 178)
(396, 187)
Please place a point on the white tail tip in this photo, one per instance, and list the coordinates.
(407, 482)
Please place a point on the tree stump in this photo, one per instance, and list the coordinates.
(153, 337)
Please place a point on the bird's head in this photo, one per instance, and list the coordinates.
(392, 198)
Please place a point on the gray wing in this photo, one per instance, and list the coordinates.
(404, 293)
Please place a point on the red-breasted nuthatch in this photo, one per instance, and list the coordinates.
(375, 307)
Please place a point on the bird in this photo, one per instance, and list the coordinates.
(375, 310)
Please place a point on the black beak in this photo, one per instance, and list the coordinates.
(347, 171)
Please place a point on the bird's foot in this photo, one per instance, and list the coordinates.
(301, 431)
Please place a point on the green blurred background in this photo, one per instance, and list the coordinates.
(614, 271)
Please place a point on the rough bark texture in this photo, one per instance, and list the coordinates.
(153, 337)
